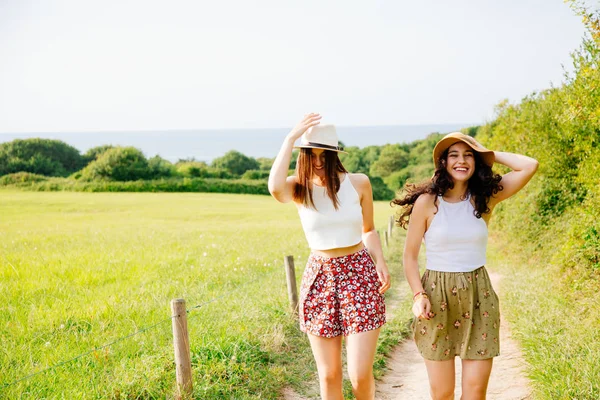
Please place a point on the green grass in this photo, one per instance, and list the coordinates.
(557, 326)
(79, 270)
(399, 303)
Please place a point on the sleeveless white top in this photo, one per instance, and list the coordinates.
(327, 228)
(456, 240)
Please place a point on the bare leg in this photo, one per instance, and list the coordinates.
(361, 349)
(441, 379)
(328, 355)
(475, 378)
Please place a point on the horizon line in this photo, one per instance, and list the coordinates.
(229, 129)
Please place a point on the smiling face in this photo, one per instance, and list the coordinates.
(318, 162)
(460, 162)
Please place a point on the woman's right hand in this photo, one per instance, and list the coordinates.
(308, 121)
(421, 307)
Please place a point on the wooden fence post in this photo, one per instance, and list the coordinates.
(390, 225)
(290, 274)
(385, 237)
(181, 344)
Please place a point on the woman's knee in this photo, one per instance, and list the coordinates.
(474, 391)
(330, 376)
(442, 392)
(360, 377)
(475, 377)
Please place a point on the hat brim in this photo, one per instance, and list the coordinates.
(320, 147)
(487, 156)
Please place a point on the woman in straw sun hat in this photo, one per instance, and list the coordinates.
(343, 283)
(456, 309)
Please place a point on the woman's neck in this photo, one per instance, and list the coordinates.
(322, 181)
(458, 193)
(317, 180)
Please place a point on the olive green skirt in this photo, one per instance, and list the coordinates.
(465, 320)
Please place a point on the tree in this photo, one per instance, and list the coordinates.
(380, 190)
(235, 162)
(266, 163)
(393, 158)
(352, 160)
(360, 160)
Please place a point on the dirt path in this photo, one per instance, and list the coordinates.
(407, 377)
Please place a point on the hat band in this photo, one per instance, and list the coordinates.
(324, 146)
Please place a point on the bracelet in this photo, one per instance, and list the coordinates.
(422, 293)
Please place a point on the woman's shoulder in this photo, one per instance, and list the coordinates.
(426, 201)
(358, 179)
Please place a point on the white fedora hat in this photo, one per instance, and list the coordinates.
(320, 137)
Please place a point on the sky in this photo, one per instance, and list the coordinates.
(79, 65)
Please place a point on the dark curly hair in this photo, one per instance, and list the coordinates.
(482, 185)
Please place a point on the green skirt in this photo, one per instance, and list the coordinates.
(466, 317)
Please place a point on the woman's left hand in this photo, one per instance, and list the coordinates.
(384, 276)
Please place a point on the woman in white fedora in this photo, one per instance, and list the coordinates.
(343, 283)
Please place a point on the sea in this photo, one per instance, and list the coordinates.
(205, 145)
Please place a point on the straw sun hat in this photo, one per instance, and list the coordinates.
(455, 137)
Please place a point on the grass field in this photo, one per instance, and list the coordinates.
(79, 270)
(558, 327)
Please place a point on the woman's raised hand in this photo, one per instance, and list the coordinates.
(308, 121)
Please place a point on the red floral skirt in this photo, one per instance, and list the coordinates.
(340, 295)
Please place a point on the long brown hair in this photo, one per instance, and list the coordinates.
(482, 185)
(304, 173)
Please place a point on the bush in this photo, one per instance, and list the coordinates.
(21, 178)
(235, 162)
(161, 168)
(118, 164)
(95, 152)
(199, 169)
(190, 168)
(160, 185)
(255, 174)
(555, 223)
(39, 156)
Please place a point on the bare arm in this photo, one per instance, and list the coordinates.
(370, 237)
(417, 226)
(280, 185)
(523, 168)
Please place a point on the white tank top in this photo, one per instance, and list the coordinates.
(327, 228)
(456, 240)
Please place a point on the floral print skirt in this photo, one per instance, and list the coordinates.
(340, 295)
(465, 319)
